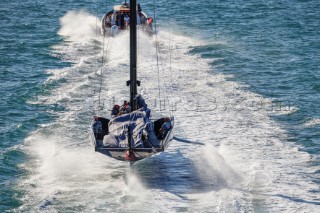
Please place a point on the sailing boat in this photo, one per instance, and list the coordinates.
(135, 132)
(118, 20)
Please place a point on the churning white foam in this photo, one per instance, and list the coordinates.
(79, 25)
(245, 165)
(312, 122)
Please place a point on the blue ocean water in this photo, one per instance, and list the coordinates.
(271, 49)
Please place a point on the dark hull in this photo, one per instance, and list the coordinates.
(120, 153)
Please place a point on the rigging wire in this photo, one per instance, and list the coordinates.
(104, 54)
(101, 74)
(169, 44)
(161, 63)
(157, 48)
(170, 59)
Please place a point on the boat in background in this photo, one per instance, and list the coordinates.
(118, 20)
(133, 132)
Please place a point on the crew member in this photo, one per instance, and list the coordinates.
(125, 108)
(115, 110)
(165, 128)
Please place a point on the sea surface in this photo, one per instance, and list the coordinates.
(241, 77)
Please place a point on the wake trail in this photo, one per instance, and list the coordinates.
(242, 151)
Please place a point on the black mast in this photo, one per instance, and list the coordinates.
(133, 66)
(133, 54)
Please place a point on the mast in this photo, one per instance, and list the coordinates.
(133, 54)
(133, 68)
